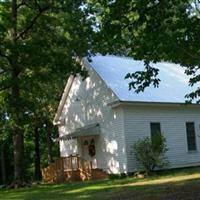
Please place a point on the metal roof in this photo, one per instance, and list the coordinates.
(172, 88)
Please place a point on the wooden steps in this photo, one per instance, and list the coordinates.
(98, 174)
(72, 168)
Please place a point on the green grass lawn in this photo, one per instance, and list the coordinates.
(173, 185)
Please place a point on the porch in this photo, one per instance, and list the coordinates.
(84, 142)
(71, 168)
(82, 164)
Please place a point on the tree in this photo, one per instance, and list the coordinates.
(151, 153)
(43, 100)
(37, 38)
(153, 31)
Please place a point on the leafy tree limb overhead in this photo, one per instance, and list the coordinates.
(154, 31)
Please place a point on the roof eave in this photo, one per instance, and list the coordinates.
(68, 86)
(148, 103)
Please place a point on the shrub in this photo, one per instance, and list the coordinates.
(150, 153)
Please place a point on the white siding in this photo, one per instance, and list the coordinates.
(87, 104)
(172, 119)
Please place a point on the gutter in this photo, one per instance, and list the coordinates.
(115, 104)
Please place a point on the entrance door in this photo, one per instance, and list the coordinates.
(89, 150)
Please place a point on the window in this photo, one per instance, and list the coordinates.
(191, 139)
(155, 129)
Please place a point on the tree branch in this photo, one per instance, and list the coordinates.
(38, 5)
(33, 21)
(189, 54)
(24, 3)
(21, 4)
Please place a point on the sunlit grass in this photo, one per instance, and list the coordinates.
(176, 184)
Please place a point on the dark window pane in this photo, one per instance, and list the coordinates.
(155, 128)
(191, 139)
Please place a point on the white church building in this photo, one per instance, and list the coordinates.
(99, 119)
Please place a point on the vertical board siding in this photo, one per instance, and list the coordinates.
(87, 104)
(172, 120)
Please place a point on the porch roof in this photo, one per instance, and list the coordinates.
(89, 130)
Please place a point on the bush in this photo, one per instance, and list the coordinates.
(150, 153)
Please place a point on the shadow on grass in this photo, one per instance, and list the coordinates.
(170, 191)
(127, 188)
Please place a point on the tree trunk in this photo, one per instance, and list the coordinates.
(18, 155)
(18, 140)
(49, 142)
(16, 115)
(37, 154)
(3, 164)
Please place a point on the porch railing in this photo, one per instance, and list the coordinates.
(66, 168)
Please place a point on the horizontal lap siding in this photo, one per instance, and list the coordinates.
(116, 157)
(172, 119)
(94, 96)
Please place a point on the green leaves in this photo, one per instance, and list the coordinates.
(47, 45)
(154, 31)
(143, 79)
(39, 45)
(151, 153)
